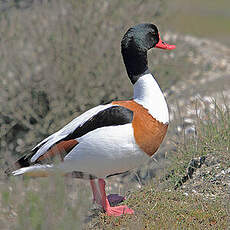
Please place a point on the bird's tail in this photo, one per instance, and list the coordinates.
(22, 162)
(34, 171)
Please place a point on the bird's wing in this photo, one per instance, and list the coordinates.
(64, 140)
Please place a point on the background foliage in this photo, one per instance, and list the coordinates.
(59, 58)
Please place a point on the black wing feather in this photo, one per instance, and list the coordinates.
(116, 115)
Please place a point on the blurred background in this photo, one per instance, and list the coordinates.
(60, 58)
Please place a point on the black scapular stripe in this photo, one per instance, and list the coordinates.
(116, 115)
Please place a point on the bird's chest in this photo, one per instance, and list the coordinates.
(148, 132)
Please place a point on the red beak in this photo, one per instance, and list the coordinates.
(163, 45)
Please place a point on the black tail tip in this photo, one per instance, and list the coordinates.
(8, 172)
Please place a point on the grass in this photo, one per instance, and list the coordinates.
(211, 138)
(156, 209)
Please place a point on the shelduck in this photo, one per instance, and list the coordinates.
(113, 138)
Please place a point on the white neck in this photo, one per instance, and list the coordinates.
(148, 93)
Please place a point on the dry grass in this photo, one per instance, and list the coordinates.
(210, 138)
(168, 210)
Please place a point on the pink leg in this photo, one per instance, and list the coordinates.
(96, 193)
(113, 198)
(112, 211)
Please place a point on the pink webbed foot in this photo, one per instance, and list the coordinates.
(104, 201)
(119, 210)
(115, 199)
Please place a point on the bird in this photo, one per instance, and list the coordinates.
(112, 138)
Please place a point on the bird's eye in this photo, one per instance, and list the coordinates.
(151, 34)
